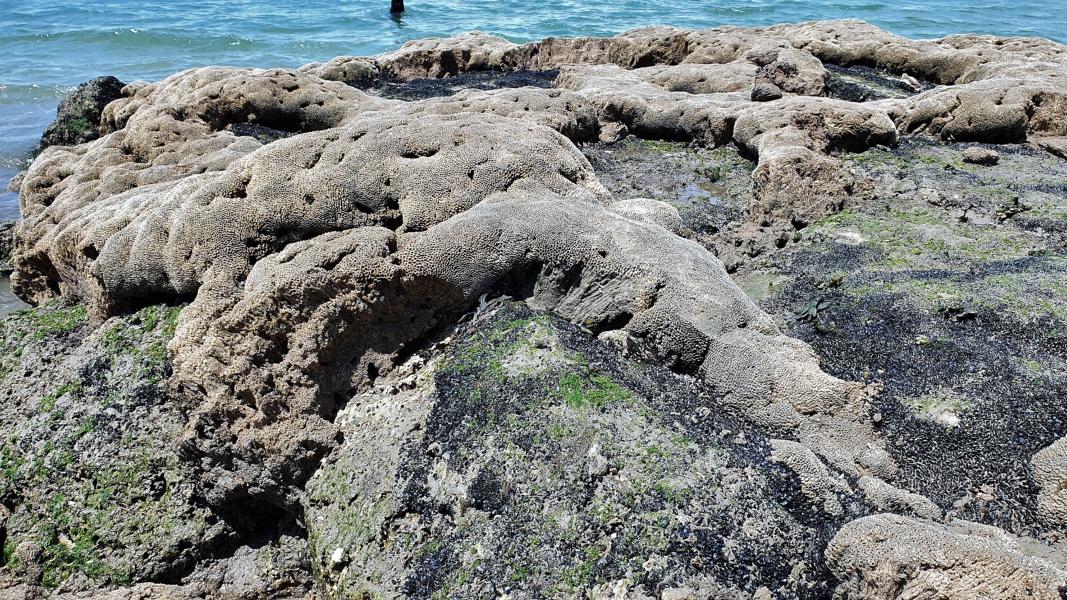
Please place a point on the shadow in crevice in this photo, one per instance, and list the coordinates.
(421, 88)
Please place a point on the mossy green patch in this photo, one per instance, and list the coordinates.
(8, 559)
(1034, 291)
(143, 339)
(941, 406)
(55, 321)
(72, 388)
(92, 487)
(950, 261)
(907, 159)
(595, 391)
(78, 552)
(581, 575)
(9, 361)
(79, 125)
(663, 146)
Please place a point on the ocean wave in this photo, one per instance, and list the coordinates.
(32, 93)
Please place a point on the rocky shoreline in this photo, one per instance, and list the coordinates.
(735, 313)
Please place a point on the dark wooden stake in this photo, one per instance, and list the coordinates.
(397, 6)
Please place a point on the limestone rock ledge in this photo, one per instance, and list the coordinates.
(319, 237)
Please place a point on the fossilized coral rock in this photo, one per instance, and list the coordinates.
(172, 204)
(568, 113)
(438, 57)
(321, 320)
(1050, 471)
(889, 556)
(317, 263)
(166, 136)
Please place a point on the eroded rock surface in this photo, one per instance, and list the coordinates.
(323, 240)
(1052, 476)
(890, 556)
(461, 480)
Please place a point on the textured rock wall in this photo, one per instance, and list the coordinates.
(315, 260)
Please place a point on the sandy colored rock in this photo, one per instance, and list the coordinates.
(1050, 471)
(794, 71)
(568, 113)
(981, 156)
(890, 556)
(816, 482)
(439, 57)
(650, 211)
(393, 289)
(697, 78)
(346, 69)
(1054, 144)
(888, 498)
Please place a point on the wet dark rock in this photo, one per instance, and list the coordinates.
(710, 188)
(765, 92)
(860, 83)
(6, 241)
(958, 321)
(262, 133)
(546, 477)
(94, 493)
(421, 88)
(78, 117)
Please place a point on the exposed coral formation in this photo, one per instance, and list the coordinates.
(890, 556)
(323, 237)
(1050, 470)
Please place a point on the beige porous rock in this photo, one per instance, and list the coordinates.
(438, 57)
(325, 316)
(569, 113)
(794, 139)
(344, 68)
(168, 139)
(888, 556)
(981, 156)
(885, 497)
(650, 211)
(670, 83)
(792, 70)
(1050, 471)
(816, 481)
(166, 239)
(648, 110)
(315, 262)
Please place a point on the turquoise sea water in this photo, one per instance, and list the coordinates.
(50, 45)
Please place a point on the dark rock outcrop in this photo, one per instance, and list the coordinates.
(78, 117)
(7, 241)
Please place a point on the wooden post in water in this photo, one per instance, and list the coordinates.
(396, 7)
